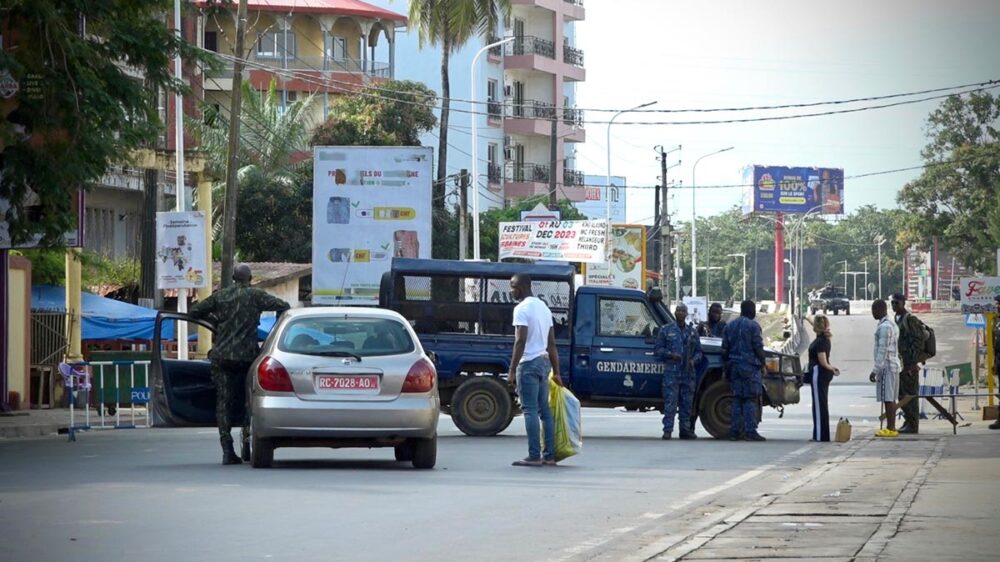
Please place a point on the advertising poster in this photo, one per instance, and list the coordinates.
(370, 204)
(770, 189)
(595, 204)
(180, 250)
(697, 309)
(34, 210)
(978, 294)
(574, 241)
(627, 266)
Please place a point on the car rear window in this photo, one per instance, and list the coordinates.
(364, 337)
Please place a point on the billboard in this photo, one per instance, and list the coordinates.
(573, 241)
(181, 255)
(978, 294)
(627, 267)
(595, 206)
(370, 204)
(772, 189)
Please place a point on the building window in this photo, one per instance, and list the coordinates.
(493, 170)
(338, 48)
(212, 41)
(493, 105)
(287, 100)
(271, 45)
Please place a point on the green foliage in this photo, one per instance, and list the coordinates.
(393, 113)
(78, 111)
(48, 267)
(955, 198)
(489, 234)
(271, 165)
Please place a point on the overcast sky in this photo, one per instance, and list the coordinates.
(719, 53)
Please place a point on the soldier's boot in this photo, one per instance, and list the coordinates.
(995, 425)
(688, 434)
(245, 451)
(229, 455)
(754, 436)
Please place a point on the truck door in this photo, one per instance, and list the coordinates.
(622, 361)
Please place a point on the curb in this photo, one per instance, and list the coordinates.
(32, 430)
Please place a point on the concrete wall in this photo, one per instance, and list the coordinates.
(287, 291)
(19, 336)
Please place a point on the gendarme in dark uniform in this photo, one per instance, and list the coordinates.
(236, 313)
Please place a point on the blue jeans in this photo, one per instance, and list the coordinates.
(746, 387)
(533, 389)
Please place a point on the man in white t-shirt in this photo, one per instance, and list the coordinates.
(534, 356)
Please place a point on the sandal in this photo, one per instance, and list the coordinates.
(527, 462)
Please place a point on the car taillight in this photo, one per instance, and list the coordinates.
(421, 377)
(272, 375)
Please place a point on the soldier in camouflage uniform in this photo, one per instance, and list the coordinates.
(996, 353)
(911, 353)
(743, 354)
(679, 347)
(236, 313)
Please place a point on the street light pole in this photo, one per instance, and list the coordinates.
(694, 221)
(744, 256)
(607, 188)
(880, 240)
(475, 145)
(795, 280)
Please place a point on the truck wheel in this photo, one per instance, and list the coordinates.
(482, 406)
(716, 409)
(425, 452)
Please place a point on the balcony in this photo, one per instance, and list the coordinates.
(494, 109)
(522, 172)
(528, 45)
(531, 109)
(575, 2)
(308, 63)
(494, 173)
(573, 178)
(573, 56)
(573, 116)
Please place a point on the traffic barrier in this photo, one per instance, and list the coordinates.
(84, 375)
(936, 382)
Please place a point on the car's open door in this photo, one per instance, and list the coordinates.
(183, 393)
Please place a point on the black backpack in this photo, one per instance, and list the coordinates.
(930, 340)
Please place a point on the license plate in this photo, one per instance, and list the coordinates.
(353, 383)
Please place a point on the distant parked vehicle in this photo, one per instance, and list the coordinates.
(829, 300)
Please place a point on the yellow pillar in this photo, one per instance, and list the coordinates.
(203, 202)
(73, 309)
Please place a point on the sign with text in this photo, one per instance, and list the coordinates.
(370, 204)
(574, 241)
(978, 294)
(627, 267)
(771, 189)
(181, 259)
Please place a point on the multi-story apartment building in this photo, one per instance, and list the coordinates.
(321, 47)
(520, 88)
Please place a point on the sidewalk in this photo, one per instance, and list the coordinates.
(927, 497)
(35, 423)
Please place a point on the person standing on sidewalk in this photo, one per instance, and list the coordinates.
(679, 347)
(911, 347)
(236, 313)
(743, 355)
(885, 373)
(821, 373)
(534, 357)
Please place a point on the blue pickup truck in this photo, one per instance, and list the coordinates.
(462, 312)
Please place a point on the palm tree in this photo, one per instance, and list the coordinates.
(450, 24)
(272, 141)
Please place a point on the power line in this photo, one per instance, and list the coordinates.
(350, 87)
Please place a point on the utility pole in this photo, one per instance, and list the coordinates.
(553, 203)
(463, 214)
(232, 190)
(663, 223)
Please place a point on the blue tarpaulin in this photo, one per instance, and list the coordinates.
(108, 319)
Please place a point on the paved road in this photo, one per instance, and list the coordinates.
(161, 494)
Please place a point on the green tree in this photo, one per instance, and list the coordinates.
(273, 153)
(79, 109)
(489, 233)
(450, 24)
(955, 198)
(393, 113)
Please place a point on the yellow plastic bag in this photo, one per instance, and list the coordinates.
(569, 427)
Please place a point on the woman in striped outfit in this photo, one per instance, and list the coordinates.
(821, 372)
(885, 373)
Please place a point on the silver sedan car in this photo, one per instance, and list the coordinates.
(343, 377)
